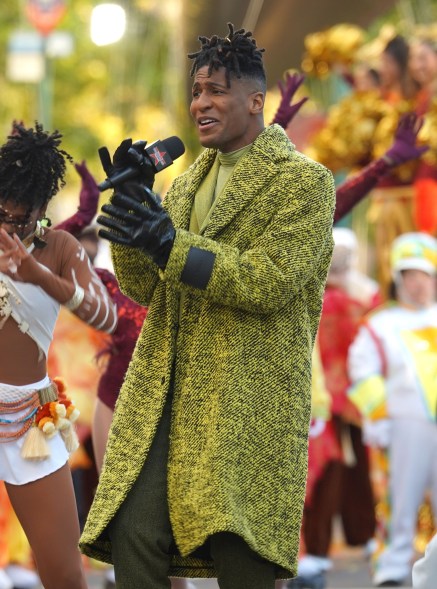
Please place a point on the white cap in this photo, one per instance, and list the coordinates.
(414, 251)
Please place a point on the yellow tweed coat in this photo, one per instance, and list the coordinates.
(241, 408)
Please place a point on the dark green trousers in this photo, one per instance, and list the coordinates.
(141, 534)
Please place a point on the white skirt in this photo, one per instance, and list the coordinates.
(18, 471)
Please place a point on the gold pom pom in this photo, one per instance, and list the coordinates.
(336, 45)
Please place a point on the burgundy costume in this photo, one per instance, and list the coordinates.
(130, 315)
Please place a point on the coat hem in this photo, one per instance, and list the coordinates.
(181, 566)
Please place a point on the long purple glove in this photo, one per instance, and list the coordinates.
(404, 146)
(403, 149)
(287, 111)
(350, 192)
(88, 202)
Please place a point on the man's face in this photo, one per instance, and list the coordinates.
(226, 118)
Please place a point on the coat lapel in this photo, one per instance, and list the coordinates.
(185, 187)
(246, 181)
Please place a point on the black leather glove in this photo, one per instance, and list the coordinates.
(128, 155)
(146, 226)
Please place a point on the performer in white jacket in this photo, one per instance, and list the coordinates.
(393, 368)
(425, 569)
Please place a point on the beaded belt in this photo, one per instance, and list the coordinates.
(42, 413)
(28, 404)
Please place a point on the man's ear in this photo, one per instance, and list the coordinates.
(257, 102)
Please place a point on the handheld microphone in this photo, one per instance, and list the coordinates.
(160, 154)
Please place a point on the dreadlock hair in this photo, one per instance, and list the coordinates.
(237, 53)
(32, 167)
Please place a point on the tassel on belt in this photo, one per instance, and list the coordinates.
(42, 413)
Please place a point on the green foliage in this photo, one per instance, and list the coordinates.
(405, 16)
(99, 95)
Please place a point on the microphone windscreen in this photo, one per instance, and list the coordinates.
(174, 146)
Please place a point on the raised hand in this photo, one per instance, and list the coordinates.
(15, 260)
(88, 202)
(287, 111)
(146, 226)
(404, 146)
(8, 254)
(89, 192)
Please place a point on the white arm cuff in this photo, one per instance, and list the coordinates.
(76, 299)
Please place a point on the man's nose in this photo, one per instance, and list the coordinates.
(204, 101)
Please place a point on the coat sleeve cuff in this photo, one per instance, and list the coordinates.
(198, 268)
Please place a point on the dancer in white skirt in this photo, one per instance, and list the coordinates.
(40, 269)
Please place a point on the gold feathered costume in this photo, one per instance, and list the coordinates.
(242, 381)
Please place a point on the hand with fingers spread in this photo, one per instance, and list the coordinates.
(15, 260)
(126, 155)
(404, 146)
(8, 254)
(146, 226)
(286, 111)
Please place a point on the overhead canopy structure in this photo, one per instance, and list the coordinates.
(279, 26)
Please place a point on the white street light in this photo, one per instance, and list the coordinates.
(108, 23)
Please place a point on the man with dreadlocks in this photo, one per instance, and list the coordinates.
(40, 269)
(204, 473)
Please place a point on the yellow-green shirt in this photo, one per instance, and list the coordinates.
(212, 186)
